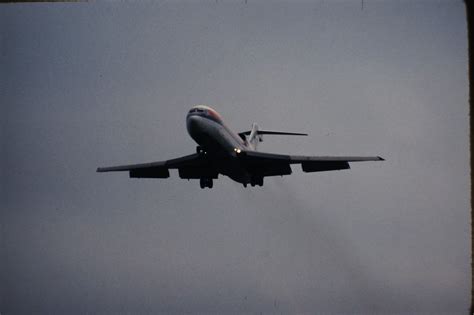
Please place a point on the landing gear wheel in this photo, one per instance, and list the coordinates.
(256, 180)
(206, 182)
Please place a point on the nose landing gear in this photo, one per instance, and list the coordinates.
(200, 150)
(206, 182)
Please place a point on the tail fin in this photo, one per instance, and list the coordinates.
(255, 135)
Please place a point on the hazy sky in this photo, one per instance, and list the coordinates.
(97, 84)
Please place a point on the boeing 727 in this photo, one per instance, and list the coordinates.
(221, 151)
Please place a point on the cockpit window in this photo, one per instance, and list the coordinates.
(197, 110)
(207, 112)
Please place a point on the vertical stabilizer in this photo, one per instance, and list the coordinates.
(254, 137)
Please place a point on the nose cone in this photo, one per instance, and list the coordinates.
(193, 123)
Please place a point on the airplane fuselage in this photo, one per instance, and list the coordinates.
(218, 141)
(206, 127)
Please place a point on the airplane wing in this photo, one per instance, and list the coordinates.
(279, 164)
(265, 164)
(189, 166)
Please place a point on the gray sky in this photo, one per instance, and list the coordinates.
(87, 85)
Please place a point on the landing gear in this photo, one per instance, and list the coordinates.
(206, 182)
(255, 181)
(200, 150)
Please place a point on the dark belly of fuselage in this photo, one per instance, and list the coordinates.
(222, 161)
(218, 147)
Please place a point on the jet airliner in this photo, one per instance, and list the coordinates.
(221, 151)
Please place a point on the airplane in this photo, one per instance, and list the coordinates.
(221, 151)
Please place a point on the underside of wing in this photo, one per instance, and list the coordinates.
(131, 167)
(308, 163)
(189, 166)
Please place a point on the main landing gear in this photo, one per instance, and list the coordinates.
(255, 181)
(206, 182)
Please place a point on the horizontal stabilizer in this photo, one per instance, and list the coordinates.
(268, 132)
